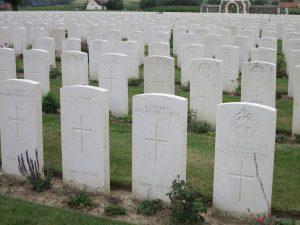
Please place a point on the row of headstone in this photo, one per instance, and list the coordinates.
(159, 143)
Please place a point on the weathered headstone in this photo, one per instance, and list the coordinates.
(259, 83)
(206, 88)
(159, 48)
(74, 68)
(159, 144)
(244, 158)
(188, 53)
(36, 67)
(7, 64)
(113, 76)
(48, 44)
(85, 136)
(159, 74)
(71, 44)
(264, 55)
(230, 58)
(21, 122)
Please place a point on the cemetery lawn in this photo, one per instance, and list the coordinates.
(15, 211)
(286, 191)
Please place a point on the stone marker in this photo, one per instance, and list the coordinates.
(206, 88)
(294, 60)
(230, 58)
(264, 55)
(189, 52)
(159, 48)
(159, 74)
(36, 67)
(85, 136)
(259, 83)
(296, 107)
(96, 48)
(21, 122)
(268, 43)
(7, 63)
(244, 157)
(71, 44)
(159, 144)
(48, 44)
(113, 76)
(74, 68)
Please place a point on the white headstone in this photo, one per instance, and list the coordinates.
(188, 53)
(159, 144)
(244, 157)
(71, 44)
(159, 48)
(131, 49)
(85, 136)
(7, 64)
(206, 88)
(230, 58)
(21, 122)
(259, 83)
(36, 67)
(294, 60)
(268, 43)
(268, 55)
(48, 44)
(159, 74)
(113, 76)
(74, 68)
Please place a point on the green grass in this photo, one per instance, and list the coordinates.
(18, 212)
(174, 8)
(67, 7)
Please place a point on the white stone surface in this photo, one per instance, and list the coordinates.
(159, 48)
(188, 53)
(229, 55)
(259, 83)
(159, 144)
(71, 44)
(206, 88)
(159, 74)
(7, 63)
(48, 44)
(244, 157)
(96, 48)
(21, 122)
(36, 67)
(131, 50)
(74, 68)
(113, 76)
(264, 55)
(85, 136)
(294, 60)
(268, 43)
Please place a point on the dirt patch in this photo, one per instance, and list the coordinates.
(57, 195)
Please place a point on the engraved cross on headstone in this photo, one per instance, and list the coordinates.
(156, 140)
(241, 177)
(257, 100)
(157, 82)
(205, 98)
(111, 78)
(18, 120)
(81, 130)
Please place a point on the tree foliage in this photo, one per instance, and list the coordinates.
(115, 5)
(14, 4)
(153, 3)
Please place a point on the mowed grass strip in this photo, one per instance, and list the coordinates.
(18, 212)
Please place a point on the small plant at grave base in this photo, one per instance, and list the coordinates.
(150, 207)
(29, 47)
(50, 104)
(273, 221)
(133, 82)
(197, 126)
(81, 200)
(32, 173)
(283, 139)
(84, 47)
(186, 205)
(185, 87)
(296, 139)
(114, 210)
(53, 73)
